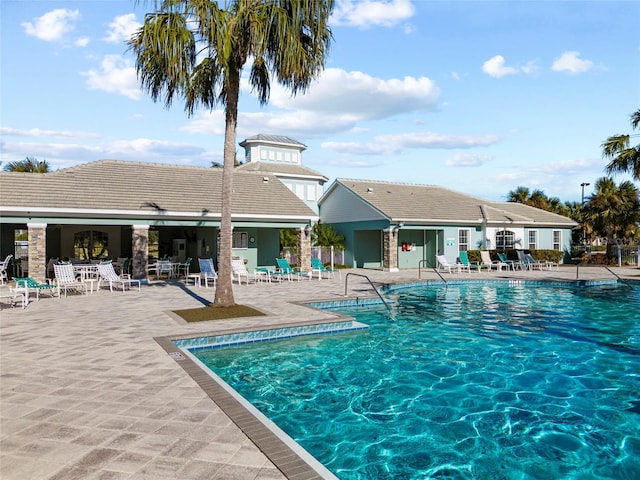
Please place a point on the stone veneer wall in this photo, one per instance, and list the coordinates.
(140, 250)
(304, 250)
(38, 251)
(390, 251)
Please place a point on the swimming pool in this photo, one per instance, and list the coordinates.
(482, 381)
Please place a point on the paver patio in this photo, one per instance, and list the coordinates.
(87, 393)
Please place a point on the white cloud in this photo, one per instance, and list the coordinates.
(467, 160)
(81, 42)
(569, 62)
(36, 132)
(116, 75)
(357, 148)
(437, 140)
(359, 96)
(368, 13)
(53, 25)
(495, 67)
(121, 28)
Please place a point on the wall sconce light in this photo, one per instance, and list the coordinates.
(395, 229)
(307, 229)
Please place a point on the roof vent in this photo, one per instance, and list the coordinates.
(370, 190)
(265, 179)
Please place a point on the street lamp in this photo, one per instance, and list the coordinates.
(584, 233)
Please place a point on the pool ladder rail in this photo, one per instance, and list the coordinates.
(346, 282)
(620, 279)
(426, 262)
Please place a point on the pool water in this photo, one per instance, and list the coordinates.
(482, 381)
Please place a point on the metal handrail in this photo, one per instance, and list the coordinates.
(606, 268)
(433, 268)
(346, 279)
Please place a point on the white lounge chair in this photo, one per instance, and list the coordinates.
(449, 267)
(3, 269)
(238, 269)
(485, 256)
(207, 271)
(65, 278)
(108, 275)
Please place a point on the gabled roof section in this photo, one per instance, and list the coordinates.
(273, 140)
(281, 169)
(412, 203)
(148, 189)
(520, 213)
(429, 204)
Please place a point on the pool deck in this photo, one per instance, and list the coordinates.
(87, 390)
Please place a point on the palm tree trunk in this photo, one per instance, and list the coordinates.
(224, 287)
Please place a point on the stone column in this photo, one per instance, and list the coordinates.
(389, 250)
(37, 251)
(304, 250)
(140, 250)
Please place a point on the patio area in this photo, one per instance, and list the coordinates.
(86, 392)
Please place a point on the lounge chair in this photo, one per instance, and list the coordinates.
(526, 263)
(509, 263)
(207, 271)
(3, 269)
(107, 274)
(238, 269)
(318, 266)
(28, 284)
(487, 260)
(464, 260)
(449, 267)
(65, 278)
(285, 268)
(531, 262)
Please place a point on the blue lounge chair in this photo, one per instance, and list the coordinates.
(207, 271)
(464, 260)
(284, 268)
(318, 266)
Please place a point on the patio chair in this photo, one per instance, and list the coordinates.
(524, 262)
(207, 271)
(464, 260)
(28, 284)
(532, 262)
(285, 268)
(65, 278)
(485, 256)
(449, 267)
(239, 269)
(512, 264)
(3, 269)
(50, 271)
(107, 274)
(183, 268)
(318, 266)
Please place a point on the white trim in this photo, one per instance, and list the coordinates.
(36, 225)
(140, 227)
(148, 213)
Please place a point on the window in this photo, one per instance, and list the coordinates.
(20, 244)
(311, 192)
(91, 244)
(533, 239)
(463, 240)
(504, 239)
(557, 240)
(240, 240)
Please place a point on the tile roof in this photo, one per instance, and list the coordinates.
(282, 169)
(147, 188)
(429, 204)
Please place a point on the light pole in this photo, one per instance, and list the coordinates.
(584, 233)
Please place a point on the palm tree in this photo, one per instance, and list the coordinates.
(519, 195)
(29, 164)
(614, 211)
(197, 50)
(624, 158)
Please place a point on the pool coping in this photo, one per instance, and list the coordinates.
(288, 456)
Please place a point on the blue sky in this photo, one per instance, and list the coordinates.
(477, 96)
